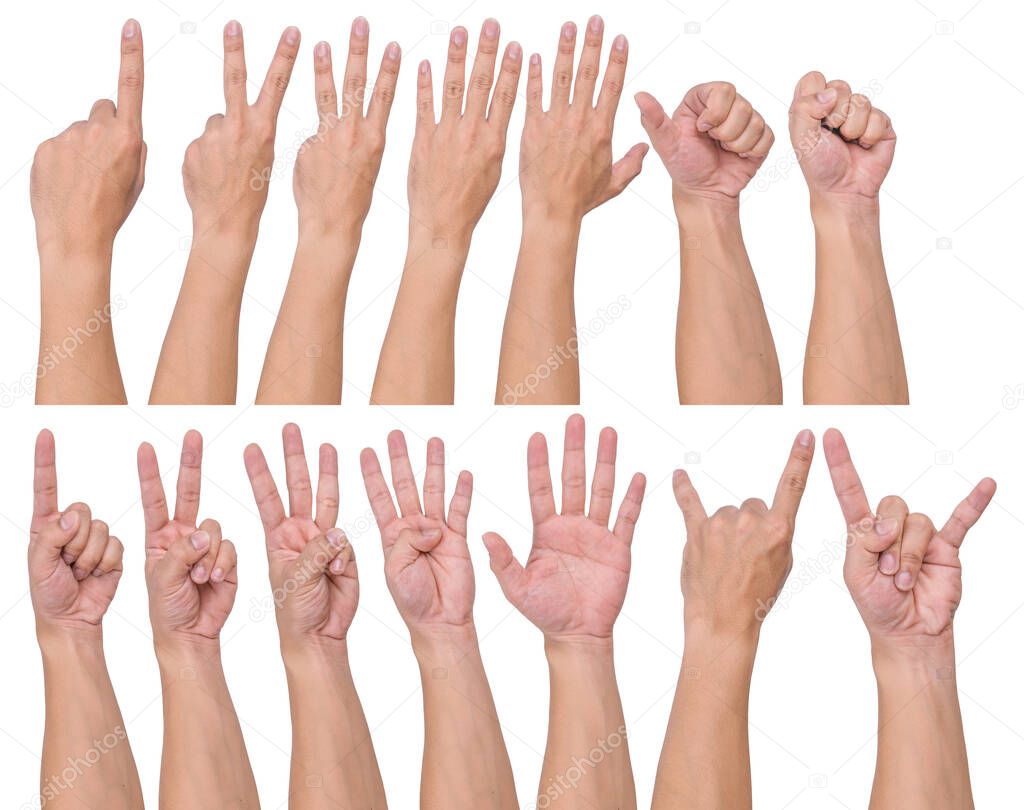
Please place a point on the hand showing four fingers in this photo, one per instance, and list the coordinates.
(574, 581)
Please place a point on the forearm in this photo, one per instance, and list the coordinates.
(465, 763)
(417, 359)
(705, 761)
(87, 761)
(854, 354)
(539, 362)
(922, 756)
(304, 359)
(725, 353)
(330, 738)
(199, 359)
(77, 357)
(205, 764)
(586, 762)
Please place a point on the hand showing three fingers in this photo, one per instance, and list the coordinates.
(74, 564)
(565, 163)
(426, 557)
(736, 561)
(312, 568)
(574, 581)
(190, 569)
(714, 142)
(903, 574)
(844, 144)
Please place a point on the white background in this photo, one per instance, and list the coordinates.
(949, 74)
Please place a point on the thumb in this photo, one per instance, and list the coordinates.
(812, 103)
(174, 567)
(410, 545)
(623, 171)
(319, 553)
(46, 544)
(510, 574)
(655, 121)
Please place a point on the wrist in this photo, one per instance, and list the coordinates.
(59, 640)
(704, 639)
(925, 657)
(177, 649)
(699, 202)
(433, 641)
(554, 217)
(308, 655)
(577, 646)
(450, 239)
(827, 207)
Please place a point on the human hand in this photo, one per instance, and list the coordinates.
(712, 145)
(565, 158)
(337, 167)
(903, 575)
(227, 169)
(426, 558)
(74, 564)
(190, 570)
(736, 561)
(456, 163)
(845, 145)
(86, 180)
(312, 568)
(574, 581)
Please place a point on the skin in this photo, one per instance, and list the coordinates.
(316, 590)
(430, 575)
(74, 565)
(566, 170)
(226, 175)
(845, 146)
(712, 146)
(84, 185)
(191, 576)
(572, 588)
(454, 171)
(904, 576)
(735, 563)
(334, 178)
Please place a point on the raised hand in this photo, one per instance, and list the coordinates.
(74, 564)
(456, 162)
(426, 558)
(904, 575)
(565, 158)
(714, 142)
(574, 581)
(228, 168)
(190, 569)
(844, 144)
(736, 561)
(312, 568)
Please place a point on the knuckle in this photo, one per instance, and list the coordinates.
(483, 81)
(236, 77)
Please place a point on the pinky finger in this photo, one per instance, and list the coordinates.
(112, 559)
(225, 564)
(629, 511)
(763, 146)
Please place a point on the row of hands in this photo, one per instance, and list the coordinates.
(903, 572)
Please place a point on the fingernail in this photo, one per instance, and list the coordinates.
(233, 28)
(217, 575)
(887, 565)
(596, 24)
(337, 565)
(323, 51)
(96, 572)
(904, 580)
(514, 51)
(490, 28)
(68, 558)
(887, 527)
(200, 540)
(199, 573)
(459, 37)
(68, 519)
(704, 126)
(827, 95)
(393, 51)
(131, 29)
(534, 58)
(804, 438)
(568, 31)
(619, 43)
(360, 27)
(424, 67)
(336, 537)
(291, 35)
(79, 574)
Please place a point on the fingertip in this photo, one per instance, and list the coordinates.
(904, 581)
(131, 29)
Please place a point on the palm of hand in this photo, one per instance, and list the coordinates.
(324, 605)
(833, 165)
(696, 163)
(438, 587)
(576, 577)
(189, 608)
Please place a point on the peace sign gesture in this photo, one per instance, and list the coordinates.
(574, 581)
(190, 568)
(736, 561)
(904, 575)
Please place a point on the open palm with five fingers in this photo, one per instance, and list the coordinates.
(74, 564)
(312, 567)
(574, 581)
(426, 557)
(190, 569)
(903, 574)
(714, 142)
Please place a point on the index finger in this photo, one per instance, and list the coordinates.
(130, 78)
(235, 74)
(280, 72)
(794, 477)
(44, 481)
(154, 502)
(264, 490)
(849, 490)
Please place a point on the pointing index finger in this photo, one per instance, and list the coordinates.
(235, 75)
(130, 78)
(44, 484)
(794, 476)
